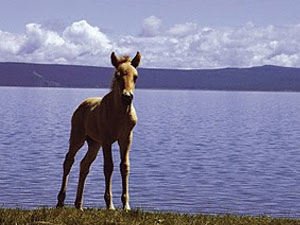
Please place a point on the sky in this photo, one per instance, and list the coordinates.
(187, 34)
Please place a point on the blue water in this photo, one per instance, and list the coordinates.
(193, 151)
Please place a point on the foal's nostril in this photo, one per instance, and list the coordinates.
(127, 95)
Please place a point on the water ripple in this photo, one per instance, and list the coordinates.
(193, 151)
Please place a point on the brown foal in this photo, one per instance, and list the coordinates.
(101, 122)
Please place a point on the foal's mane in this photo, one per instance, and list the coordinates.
(123, 59)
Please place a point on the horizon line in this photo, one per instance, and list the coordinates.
(155, 68)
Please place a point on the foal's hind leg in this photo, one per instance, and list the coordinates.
(69, 160)
(93, 148)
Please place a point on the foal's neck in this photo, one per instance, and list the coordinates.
(117, 106)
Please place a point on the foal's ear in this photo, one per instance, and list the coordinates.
(136, 60)
(114, 60)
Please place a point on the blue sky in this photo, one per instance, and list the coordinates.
(170, 34)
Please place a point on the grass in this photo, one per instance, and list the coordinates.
(71, 216)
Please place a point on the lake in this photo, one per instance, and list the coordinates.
(192, 152)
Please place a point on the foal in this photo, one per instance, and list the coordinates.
(101, 122)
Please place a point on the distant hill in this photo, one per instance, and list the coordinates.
(264, 78)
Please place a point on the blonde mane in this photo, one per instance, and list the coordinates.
(125, 59)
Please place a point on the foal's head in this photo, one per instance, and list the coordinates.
(125, 76)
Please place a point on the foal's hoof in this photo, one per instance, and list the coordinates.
(79, 206)
(111, 208)
(80, 209)
(126, 207)
(60, 205)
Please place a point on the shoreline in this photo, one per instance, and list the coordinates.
(72, 216)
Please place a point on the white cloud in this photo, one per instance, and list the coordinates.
(79, 43)
(10, 45)
(82, 33)
(151, 26)
(181, 30)
(37, 38)
(181, 46)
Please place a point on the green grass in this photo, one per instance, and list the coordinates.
(71, 216)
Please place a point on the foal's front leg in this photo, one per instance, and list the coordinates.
(108, 170)
(125, 144)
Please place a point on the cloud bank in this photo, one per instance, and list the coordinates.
(184, 45)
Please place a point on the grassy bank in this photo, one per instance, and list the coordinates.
(70, 216)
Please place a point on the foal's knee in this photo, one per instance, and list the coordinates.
(125, 168)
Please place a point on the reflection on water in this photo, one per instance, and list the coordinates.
(193, 151)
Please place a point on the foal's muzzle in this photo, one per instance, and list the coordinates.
(127, 98)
